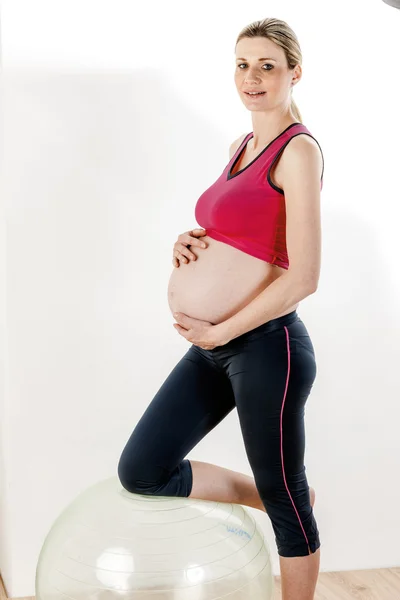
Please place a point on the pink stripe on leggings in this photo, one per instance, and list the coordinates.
(283, 465)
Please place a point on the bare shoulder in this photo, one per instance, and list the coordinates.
(235, 145)
(303, 141)
(303, 151)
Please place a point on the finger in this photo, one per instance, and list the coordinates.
(186, 254)
(197, 232)
(190, 238)
(183, 258)
(181, 330)
(184, 251)
(178, 256)
(182, 318)
(193, 241)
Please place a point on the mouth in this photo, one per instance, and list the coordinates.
(256, 95)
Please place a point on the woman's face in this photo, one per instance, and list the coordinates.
(270, 75)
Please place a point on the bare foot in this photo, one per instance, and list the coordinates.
(312, 496)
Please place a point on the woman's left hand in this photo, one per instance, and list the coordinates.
(201, 333)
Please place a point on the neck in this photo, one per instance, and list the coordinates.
(267, 130)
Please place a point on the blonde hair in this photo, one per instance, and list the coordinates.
(282, 35)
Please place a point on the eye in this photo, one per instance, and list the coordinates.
(264, 65)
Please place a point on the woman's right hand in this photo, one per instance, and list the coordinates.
(181, 252)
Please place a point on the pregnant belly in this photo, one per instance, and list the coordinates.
(219, 283)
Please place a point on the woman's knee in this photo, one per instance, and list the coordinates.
(150, 479)
(137, 477)
(126, 474)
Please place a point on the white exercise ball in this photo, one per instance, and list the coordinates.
(110, 543)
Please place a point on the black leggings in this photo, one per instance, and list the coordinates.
(267, 374)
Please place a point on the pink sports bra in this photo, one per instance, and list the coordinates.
(246, 209)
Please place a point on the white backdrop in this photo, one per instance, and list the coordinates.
(116, 117)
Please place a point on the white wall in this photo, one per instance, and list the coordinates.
(117, 116)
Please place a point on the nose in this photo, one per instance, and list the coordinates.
(251, 76)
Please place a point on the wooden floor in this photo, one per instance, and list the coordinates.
(378, 584)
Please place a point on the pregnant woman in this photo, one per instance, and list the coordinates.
(234, 291)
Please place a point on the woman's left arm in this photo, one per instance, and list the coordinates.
(301, 172)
